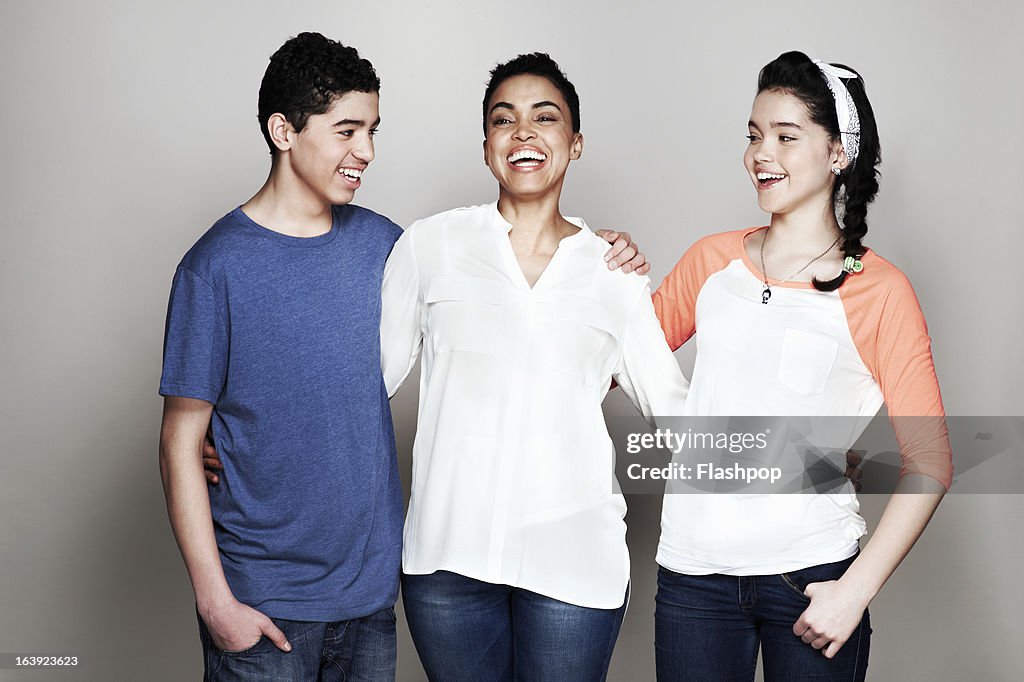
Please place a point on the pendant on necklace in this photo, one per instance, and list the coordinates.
(766, 294)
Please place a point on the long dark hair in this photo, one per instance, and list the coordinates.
(795, 73)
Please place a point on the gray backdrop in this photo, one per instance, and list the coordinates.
(129, 129)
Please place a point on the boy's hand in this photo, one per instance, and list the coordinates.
(624, 253)
(235, 627)
(211, 460)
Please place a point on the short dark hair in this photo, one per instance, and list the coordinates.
(535, 64)
(306, 75)
(796, 74)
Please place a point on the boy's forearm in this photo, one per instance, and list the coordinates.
(188, 503)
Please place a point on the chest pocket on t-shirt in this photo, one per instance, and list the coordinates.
(806, 361)
(464, 314)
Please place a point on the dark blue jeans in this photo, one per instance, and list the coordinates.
(357, 650)
(466, 630)
(709, 628)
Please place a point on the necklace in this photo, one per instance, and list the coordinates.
(767, 293)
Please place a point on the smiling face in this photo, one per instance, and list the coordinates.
(333, 149)
(789, 158)
(530, 138)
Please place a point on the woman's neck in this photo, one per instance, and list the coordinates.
(536, 223)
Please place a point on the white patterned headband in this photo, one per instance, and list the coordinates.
(846, 110)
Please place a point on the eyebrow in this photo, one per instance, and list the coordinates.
(777, 124)
(537, 105)
(355, 122)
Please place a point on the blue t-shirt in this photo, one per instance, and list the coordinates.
(282, 335)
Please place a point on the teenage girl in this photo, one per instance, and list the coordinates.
(796, 318)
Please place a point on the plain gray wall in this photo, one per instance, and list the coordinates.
(128, 129)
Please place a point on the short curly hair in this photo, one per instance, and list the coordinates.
(535, 64)
(306, 75)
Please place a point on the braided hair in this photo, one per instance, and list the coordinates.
(856, 186)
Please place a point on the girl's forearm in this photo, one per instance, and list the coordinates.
(904, 519)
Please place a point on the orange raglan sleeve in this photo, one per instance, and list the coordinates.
(898, 352)
(675, 301)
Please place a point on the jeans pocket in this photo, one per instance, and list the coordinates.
(247, 650)
(797, 581)
(788, 581)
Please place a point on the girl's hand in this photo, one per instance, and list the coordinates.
(835, 611)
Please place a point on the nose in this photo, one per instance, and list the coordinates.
(763, 151)
(364, 150)
(524, 130)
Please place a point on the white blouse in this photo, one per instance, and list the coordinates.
(513, 477)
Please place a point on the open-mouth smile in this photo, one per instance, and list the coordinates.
(768, 180)
(526, 159)
(351, 175)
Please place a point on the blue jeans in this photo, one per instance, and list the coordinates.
(357, 650)
(709, 628)
(466, 630)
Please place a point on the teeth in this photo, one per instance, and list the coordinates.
(770, 176)
(351, 172)
(526, 154)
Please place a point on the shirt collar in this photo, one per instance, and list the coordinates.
(498, 222)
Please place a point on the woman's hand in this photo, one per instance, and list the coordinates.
(211, 460)
(835, 612)
(624, 253)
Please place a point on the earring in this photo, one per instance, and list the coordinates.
(836, 170)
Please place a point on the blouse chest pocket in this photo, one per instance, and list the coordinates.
(806, 361)
(584, 338)
(464, 314)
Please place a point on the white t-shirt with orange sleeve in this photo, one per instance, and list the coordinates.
(805, 353)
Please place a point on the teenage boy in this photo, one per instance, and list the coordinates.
(273, 332)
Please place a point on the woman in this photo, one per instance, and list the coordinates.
(515, 562)
(796, 318)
